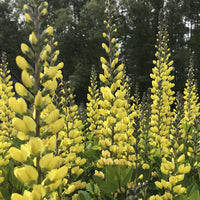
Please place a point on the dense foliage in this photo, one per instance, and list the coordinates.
(119, 147)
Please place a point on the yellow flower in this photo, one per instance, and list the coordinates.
(30, 123)
(20, 89)
(36, 145)
(16, 196)
(43, 55)
(51, 144)
(57, 174)
(26, 174)
(70, 189)
(28, 18)
(18, 154)
(60, 65)
(32, 38)
(38, 99)
(44, 12)
(102, 78)
(18, 105)
(104, 35)
(24, 48)
(26, 79)
(56, 126)
(103, 60)
(181, 158)
(158, 184)
(184, 170)
(22, 63)
(40, 189)
(19, 125)
(49, 31)
(51, 72)
(52, 117)
(50, 162)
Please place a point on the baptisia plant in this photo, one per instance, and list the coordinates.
(37, 165)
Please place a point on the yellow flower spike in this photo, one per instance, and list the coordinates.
(33, 39)
(16, 196)
(28, 18)
(145, 166)
(17, 154)
(49, 31)
(22, 63)
(38, 99)
(20, 89)
(17, 105)
(56, 126)
(26, 79)
(19, 125)
(52, 117)
(36, 145)
(30, 123)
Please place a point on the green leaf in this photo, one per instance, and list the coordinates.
(105, 187)
(195, 195)
(90, 188)
(192, 188)
(182, 197)
(83, 195)
(125, 176)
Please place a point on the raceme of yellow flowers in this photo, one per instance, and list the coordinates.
(36, 164)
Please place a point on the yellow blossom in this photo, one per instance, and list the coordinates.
(22, 63)
(33, 39)
(28, 18)
(36, 145)
(56, 126)
(18, 105)
(26, 79)
(49, 30)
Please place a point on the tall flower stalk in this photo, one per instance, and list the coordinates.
(37, 166)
